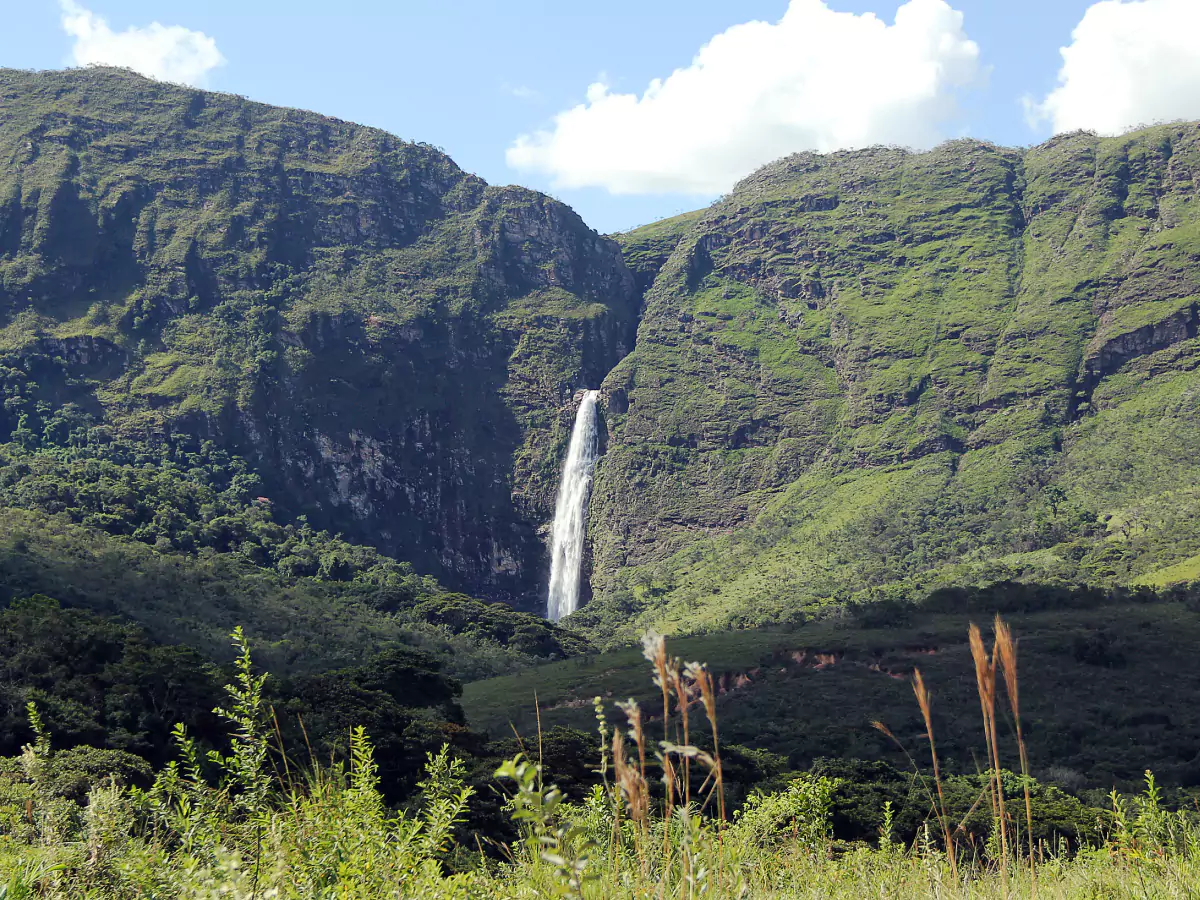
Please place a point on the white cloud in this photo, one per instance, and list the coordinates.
(814, 80)
(1127, 64)
(165, 52)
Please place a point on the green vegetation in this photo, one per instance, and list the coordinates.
(177, 538)
(875, 374)
(103, 685)
(180, 275)
(288, 306)
(1093, 664)
(647, 249)
(268, 370)
(330, 353)
(247, 820)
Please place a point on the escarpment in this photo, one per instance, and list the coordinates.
(862, 375)
(389, 342)
(885, 370)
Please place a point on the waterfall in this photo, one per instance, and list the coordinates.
(570, 513)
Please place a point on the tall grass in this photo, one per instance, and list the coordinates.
(252, 824)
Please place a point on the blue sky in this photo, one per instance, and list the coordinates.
(472, 77)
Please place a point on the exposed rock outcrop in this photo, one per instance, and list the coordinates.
(389, 341)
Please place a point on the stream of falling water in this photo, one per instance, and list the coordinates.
(570, 513)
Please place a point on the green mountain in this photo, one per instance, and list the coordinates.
(266, 370)
(260, 366)
(264, 366)
(388, 344)
(868, 374)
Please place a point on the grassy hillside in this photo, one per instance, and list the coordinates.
(300, 623)
(1107, 684)
(332, 832)
(873, 373)
(226, 326)
(647, 249)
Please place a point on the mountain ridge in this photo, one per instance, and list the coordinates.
(968, 308)
(859, 375)
(212, 262)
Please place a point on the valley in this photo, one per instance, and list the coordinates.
(335, 480)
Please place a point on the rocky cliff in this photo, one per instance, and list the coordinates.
(858, 376)
(390, 343)
(870, 372)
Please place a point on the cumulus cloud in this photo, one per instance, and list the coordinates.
(1129, 63)
(165, 52)
(814, 80)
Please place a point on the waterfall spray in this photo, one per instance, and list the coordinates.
(570, 513)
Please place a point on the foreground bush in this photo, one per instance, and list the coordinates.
(248, 824)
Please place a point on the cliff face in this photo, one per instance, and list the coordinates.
(875, 371)
(391, 343)
(859, 375)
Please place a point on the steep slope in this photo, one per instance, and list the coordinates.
(867, 373)
(647, 249)
(380, 341)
